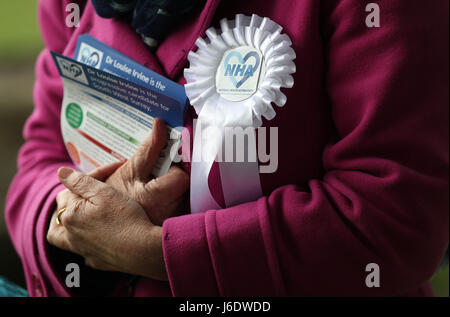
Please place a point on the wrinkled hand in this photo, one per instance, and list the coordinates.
(114, 225)
(161, 197)
(110, 230)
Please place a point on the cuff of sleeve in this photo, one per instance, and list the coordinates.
(228, 252)
(186, 256)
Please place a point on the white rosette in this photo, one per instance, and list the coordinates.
(218, 108)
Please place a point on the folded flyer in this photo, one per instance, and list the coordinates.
(105, 117)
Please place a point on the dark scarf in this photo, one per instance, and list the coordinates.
(152, 19)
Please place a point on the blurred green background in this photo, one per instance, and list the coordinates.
(20, 44)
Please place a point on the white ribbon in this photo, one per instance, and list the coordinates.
(240, 180)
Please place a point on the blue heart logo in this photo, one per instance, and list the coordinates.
(90, 58)
(242, 61)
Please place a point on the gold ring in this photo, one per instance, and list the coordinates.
(58, 220)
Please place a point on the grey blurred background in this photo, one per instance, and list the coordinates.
(20, 44)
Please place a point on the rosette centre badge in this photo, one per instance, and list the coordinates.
(239, 73)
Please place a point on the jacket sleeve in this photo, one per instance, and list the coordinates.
(384, 195)
(31, 197)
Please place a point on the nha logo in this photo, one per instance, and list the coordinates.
(90, 56)
(242, 68)
(238, 73)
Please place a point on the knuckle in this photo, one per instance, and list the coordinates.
(55, 237)
(77, 205)
(60, 197)
(184, 178)
(70, 218)
(142, 197)
(88, 262)
(154, 186)
(142, 151)
(73, 242)
(79, 181)
(139, 194)
(50, 236)
(129, 171)
(92, 263)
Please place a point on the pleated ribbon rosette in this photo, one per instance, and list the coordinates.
(233, 79)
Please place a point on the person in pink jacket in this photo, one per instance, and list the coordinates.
(362, 175)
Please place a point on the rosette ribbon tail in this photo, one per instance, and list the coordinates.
(216, 128)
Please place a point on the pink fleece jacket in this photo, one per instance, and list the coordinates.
(363, 157)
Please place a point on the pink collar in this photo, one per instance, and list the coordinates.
(173, 51)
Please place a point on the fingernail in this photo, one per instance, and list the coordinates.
(64, 172)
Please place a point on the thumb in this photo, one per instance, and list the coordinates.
(140, 165)
(102, 173)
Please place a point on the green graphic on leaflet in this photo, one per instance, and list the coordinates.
(74, 115)
(113, 129)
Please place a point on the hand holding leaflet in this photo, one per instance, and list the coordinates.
(104, 118)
